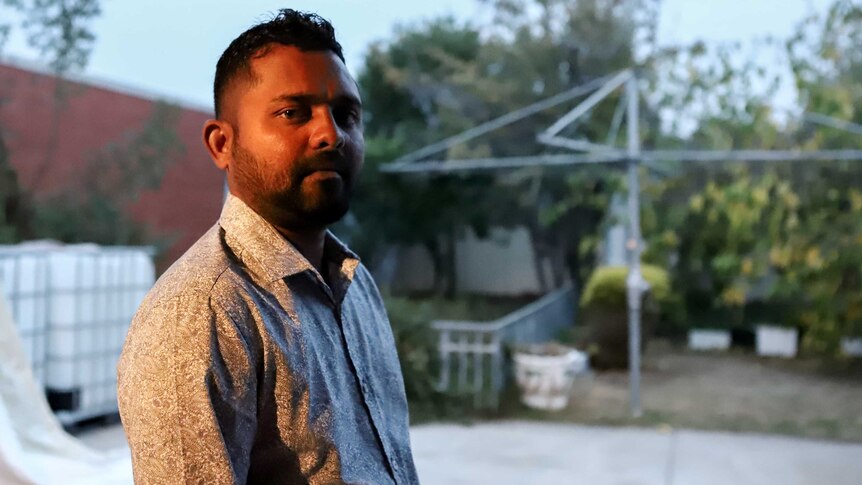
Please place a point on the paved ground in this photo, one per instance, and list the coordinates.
(548, 453)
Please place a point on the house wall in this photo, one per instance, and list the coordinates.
(90, 117)
(414, 270)
(501, 265)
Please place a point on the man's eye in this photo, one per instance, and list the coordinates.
(294, 114)
(348, 116)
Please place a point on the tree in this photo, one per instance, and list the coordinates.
(96, 211)
(562, 44)
(784, 238)
(414, 93)
(60, 30)
(440, 78)
(822, 261)
(14, 203)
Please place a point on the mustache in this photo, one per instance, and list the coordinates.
(326, 161)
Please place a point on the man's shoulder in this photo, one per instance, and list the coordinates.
(362, 271)
(190, 299)
(199, 275)
(365, 287)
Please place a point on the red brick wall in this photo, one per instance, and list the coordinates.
(189, 199)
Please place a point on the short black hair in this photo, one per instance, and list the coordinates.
(304, 30)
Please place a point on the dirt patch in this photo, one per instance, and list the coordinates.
(734, 391)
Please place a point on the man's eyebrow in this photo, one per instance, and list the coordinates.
(341, 99)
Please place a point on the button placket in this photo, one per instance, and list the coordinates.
(368, 396)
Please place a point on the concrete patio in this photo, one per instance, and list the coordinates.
(544, 453)
(519, 452)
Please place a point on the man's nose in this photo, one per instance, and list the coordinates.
(327, 133)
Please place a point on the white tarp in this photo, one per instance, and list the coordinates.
(34, 447)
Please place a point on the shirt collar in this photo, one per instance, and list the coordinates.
(261, 246)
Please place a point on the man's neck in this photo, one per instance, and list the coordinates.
(309, 243)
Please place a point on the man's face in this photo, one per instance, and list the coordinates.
(298, 144)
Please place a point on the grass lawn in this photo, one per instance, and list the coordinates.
(735, 391)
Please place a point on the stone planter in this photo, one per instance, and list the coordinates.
(851, 346)
(546, 380)
(704, 339)
(775, 341)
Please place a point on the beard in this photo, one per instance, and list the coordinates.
(288, 195)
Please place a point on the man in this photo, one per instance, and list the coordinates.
(264, 354)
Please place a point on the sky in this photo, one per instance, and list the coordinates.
(169, 48)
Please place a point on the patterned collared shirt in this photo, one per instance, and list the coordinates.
(243, 365)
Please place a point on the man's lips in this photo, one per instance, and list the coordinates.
(324, 166)
(324, 174)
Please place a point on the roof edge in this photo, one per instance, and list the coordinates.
(99, 82)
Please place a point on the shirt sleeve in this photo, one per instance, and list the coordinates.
(187, 395)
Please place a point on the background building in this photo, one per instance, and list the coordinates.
(60, 135)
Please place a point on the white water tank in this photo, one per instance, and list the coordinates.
(89, 295)
(24, 275)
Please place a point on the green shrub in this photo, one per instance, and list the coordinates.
(607, 286)
(416, 343)
(605, 315)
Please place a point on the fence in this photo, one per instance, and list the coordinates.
(472, 353)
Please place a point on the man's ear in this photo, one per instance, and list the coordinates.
(218, 138)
